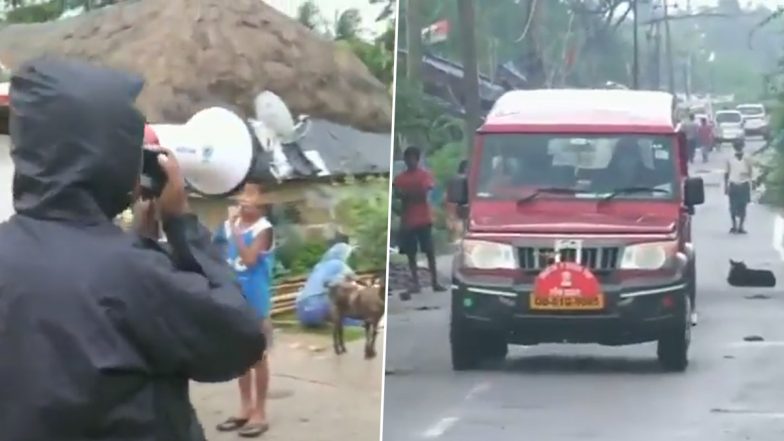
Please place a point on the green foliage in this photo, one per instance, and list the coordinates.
(377, 55)
(37, 13)
(445, 160)
(348, 24)
(379, 60)
(365, 219)
(297, 256)
(309, 15)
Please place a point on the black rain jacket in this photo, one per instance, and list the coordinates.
(100, 331)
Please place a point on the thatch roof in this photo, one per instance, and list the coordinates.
(195, 53)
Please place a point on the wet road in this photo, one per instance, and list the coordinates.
(733, 390)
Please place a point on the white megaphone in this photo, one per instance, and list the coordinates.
(215, 149)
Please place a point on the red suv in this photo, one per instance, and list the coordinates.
(577, 209)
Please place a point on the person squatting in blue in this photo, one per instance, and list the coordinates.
(313, 303)
(248, 241)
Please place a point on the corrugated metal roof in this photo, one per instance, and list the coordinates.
(328, 149)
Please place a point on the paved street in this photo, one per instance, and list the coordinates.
(733, 390)
(314, 396)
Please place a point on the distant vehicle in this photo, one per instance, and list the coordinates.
(729, 128)
(704, 108)
(757, 122)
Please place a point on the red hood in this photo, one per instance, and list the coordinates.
(576, 217)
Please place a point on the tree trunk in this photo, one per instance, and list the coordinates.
(470, 69)
(414, 43)
(531, 56)
(670, 55)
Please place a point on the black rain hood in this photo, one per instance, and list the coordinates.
(77, 138)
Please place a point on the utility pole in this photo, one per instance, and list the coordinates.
(657, 65)
(414, 43)
(668, 43)
(470, 68)
(636, 61)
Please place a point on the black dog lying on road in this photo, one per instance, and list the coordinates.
(741, 275)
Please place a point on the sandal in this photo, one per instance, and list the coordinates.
(253, 430)
(231, 424)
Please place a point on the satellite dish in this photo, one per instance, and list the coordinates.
(275, 114)
(216, 150)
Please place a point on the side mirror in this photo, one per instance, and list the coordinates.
(457, 190)
(693, 192)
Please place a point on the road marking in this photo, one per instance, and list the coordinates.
(476, 390)
(778, 235)
(440, 427)
(444, 424)
(749, 413)
(751, 344)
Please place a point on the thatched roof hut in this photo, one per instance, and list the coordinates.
(195, 53)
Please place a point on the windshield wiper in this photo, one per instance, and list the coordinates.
(554, 190)
(627, 190)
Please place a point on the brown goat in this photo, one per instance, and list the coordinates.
(354, 300)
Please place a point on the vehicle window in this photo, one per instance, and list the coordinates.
(5, 74)
(751, 110)
(728, 117)
(512, 165)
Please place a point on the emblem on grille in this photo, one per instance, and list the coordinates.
(563, 246)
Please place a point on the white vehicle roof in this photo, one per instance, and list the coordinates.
(759, 107)
(728, 111)
(584, 106)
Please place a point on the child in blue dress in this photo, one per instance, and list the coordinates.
(247, 237)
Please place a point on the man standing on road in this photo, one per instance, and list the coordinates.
(416, 231)
(101, 331)
(691, 130)
(705, 136)
(738, 175)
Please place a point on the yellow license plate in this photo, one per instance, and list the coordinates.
(563, 303)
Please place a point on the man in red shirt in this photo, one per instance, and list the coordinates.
(416, 219)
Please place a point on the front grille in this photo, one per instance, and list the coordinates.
(600, 258)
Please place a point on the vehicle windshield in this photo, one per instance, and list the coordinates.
(751, 110)
(517, 166)
(728, 117)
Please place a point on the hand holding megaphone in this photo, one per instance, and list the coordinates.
(173, 200)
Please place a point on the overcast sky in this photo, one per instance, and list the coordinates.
(329, 8)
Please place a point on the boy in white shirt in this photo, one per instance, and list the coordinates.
(738, 176)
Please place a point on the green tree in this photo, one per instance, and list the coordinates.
(309, 15)
(348, 24)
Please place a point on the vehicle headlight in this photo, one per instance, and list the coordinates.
(482, 254)
(648, 256)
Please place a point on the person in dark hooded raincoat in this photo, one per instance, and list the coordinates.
(100, 330)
